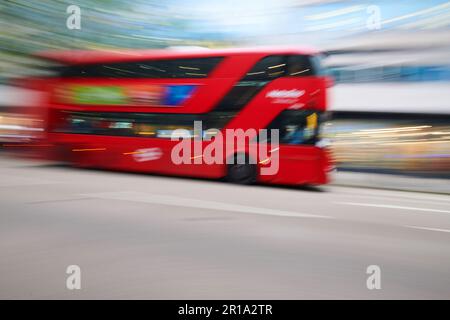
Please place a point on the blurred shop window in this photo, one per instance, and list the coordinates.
(317, 65)
(343, 74)
(431, 73)
(391, 73)
(336, 74)
(348, 75)
(410, 73)
(368, 75)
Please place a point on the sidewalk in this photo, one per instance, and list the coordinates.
(391, 181)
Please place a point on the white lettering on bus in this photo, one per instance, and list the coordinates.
(148, 154)
(293, 94)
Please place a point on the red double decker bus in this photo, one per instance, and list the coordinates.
(161, 111)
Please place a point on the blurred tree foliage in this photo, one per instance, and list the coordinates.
(27, 26)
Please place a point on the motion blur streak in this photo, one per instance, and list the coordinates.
(359, 90)
(395, 76)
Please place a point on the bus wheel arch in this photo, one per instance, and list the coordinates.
(241, 170)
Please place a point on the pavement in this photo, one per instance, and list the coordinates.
(391, 182)
(137, 236)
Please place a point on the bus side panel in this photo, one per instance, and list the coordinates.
(297, 165)
(135, 154)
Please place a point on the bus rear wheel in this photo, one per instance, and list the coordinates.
(241, 171)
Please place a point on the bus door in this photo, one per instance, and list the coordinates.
(300, 160)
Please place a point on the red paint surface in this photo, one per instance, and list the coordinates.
(298, 164)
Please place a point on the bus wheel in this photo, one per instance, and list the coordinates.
(241, 171)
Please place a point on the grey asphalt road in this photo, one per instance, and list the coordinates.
(138, 236)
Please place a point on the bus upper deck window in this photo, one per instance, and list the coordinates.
(299, 66)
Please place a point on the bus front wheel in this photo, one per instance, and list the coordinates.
(241, 170)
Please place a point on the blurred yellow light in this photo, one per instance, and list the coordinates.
(416, 142)
(277, 66)
(390, 130)
(93, 149)
(311, 121)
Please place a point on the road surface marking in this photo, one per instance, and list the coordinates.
(388, 206)
(58, 200)
(399, 194)
(429, 229)
(197, 203)
(401, 198)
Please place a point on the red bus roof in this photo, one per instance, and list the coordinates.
(122, 55)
